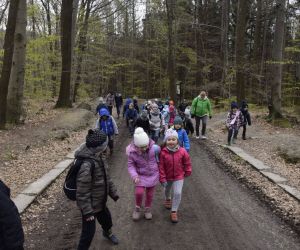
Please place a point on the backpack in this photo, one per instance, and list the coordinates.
(155, 120)
(70, 185)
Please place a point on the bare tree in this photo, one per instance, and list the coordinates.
(64, 99)
(7, 58)
(277, 56)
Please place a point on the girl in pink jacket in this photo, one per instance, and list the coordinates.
(143, 169)
(174, 166)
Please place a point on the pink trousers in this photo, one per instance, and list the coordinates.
(139, 193)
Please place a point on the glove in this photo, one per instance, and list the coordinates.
(115, 198)
(210, 117)
(164, 184)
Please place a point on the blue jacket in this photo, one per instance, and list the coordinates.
(131, 114)
(183, 139)
(107, 125)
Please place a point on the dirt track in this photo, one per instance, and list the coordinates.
(216, 212)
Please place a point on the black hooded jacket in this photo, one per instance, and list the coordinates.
(11, 231)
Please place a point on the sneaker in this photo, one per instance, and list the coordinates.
(197, 137)
(136, 215)
(168, 203)
(203, 137)
(174, 217)
(111, 237)
(148, 214)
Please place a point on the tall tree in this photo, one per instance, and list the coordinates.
(170, 4)
(277, 56)
(64, 99)
(7, 59)
(16, 83)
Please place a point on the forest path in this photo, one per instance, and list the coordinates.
(217, 212)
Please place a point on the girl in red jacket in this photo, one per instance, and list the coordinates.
(174, 166)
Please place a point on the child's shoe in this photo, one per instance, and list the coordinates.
(148, 214)
(136, 215)
(168, 203)
(111, 237)
(174, 217)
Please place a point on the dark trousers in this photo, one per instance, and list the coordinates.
(111, 142)
(89, 228)
(131, 125)
(204, 121)
(244, 131)
(232, 133)
(118, 110)
(188, 126)
(110, 109)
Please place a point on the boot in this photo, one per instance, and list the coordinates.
(136, 215)
(174, 217)
(148, 214)
(111, 237)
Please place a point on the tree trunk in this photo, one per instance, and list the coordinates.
(16, 83)
(7, 59)
(83, 31)
(224, 43)
(170, 4)
(240, 49)
(277, 57)
(64, 99)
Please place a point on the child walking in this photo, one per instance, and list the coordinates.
(188, 124)
(246, 118)
(233, 123)
(131, 116)
(174, 166)
(107, 124)
(143, 170)
(143, 121)
(93, 188)
(183, 138)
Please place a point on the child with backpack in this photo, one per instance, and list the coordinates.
(246, 118)
(131, 116)
(107, 124)
(156, 122)
(174, 166)
(143, 121)
(188, 124)
(143, 169)
(93, 188)
(233, 123)
(182, 135)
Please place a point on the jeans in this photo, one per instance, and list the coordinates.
(118, 110)
(177, 191)
(131, 125)
(204, 122)
(89, 228)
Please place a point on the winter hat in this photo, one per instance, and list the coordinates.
(170, 133)
(140, 138)
(244, 104)
(234, 105)
(178, 121)
(95, 138)
(187, 110)
(144, 114)
(101, 100)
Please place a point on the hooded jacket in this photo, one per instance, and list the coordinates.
(183, 139)
(93, 185)
(174, 166)
(143, 165)
(246, 114)
(201, 107)
(108, 126)
(11, 232)
(143, 122)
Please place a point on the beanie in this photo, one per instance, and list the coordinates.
(234, 105)
(95, 138)
(170, 133)
(178, 121)
(144, 115)
(140, 138)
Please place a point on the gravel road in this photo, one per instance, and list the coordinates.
(217, 212)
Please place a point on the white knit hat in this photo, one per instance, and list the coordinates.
(170, 133)
(140, 138)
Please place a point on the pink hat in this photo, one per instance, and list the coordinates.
(170, 133)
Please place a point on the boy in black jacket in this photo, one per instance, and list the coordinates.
(11, 231)
(246, 118)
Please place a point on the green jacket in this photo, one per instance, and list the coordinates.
(201, 107)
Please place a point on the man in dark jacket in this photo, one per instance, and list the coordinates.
(93, 187)
(11, 232)
(119, 103)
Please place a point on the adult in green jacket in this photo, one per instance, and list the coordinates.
(201, 110)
